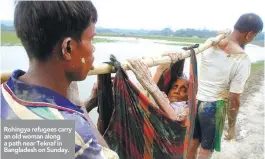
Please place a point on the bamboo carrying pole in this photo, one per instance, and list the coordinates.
(155, 61)
(152, 61)
(5, 76)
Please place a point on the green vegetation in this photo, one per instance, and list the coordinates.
(154, 37)
(257, 66)
(187, 35)
(103, 40)
(175, 44)
(10, 38)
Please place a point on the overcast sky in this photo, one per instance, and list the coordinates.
(158, 14)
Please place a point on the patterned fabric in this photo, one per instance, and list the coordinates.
(193, 88)
(137, 129)
(104, 92)
(210, 122)
(21, 101)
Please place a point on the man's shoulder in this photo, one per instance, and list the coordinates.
(242, 59)
(238, 54)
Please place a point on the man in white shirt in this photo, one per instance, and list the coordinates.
(224, 71)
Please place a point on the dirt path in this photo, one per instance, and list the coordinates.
(249, 143)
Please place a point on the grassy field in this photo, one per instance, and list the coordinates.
(257, 66)
(186, 40)
(167, 38)
(175, 44)
(10, 38)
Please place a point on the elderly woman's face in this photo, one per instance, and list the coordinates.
(179, 91)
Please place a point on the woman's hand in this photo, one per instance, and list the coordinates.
(142, 73)
(92, 102)
(173, 56)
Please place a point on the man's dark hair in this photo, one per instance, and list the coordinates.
(249, 22)
(41, 24)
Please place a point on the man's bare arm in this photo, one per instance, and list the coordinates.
(91, 104)
(73, 96)
(232, 111)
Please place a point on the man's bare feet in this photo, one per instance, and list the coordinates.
(231, 134)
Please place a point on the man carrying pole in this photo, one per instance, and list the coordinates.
(224, 71)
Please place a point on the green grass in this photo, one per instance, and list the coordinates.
(153, 37)
(175, 44)
(257, 66)
(175, 39)
(10, 38)
(103, 40)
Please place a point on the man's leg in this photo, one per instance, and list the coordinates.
(194, 145)
(205, 154)
(211, 118)
(195, 142)
(207, 120)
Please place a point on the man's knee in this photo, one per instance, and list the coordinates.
(205, 153)
(195, 143)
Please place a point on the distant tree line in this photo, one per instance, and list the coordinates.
(201, 33)
(7, 28)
